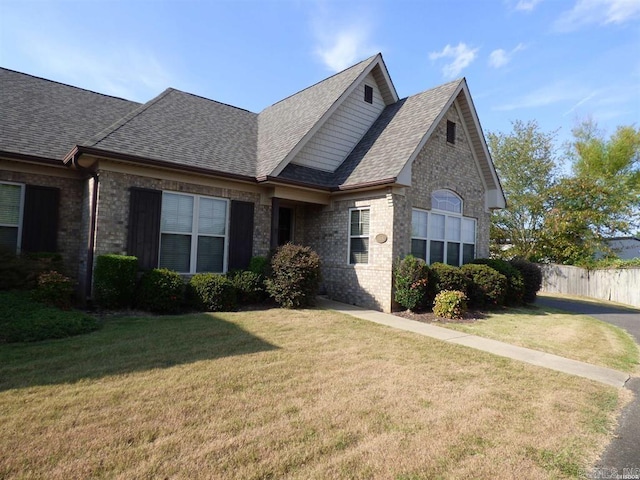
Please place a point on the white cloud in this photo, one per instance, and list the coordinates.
(344, 48)
(598, 12)
(527, 5)
(547, 95)
(500, 57)
(462, 56)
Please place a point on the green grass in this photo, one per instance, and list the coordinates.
(276, 393)
(24, 320)
(579, 337)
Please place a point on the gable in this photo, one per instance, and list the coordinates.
(341, 132)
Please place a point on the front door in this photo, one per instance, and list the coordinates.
(285, 225)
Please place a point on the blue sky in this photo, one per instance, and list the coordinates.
(557, 62)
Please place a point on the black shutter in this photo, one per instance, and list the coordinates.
(240, 235)
(144, 226)
(451, 132)
(40, 220)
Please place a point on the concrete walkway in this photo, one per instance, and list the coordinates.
(604, 375)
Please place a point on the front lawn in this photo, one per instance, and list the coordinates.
(303, 394)
(579, 337)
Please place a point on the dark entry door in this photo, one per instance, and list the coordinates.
(285, 225)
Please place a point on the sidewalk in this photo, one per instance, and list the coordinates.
(604, 375)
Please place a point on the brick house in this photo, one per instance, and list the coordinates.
(191, 184)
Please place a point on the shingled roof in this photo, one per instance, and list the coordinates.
(44, 119)
(185, 130)
(392, 141)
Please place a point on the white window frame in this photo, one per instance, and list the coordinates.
(351, 237)
(449, 216)
(194, 234)
(20, 215)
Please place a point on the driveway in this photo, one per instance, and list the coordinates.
(624, 450)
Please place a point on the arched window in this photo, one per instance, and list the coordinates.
(443, 234)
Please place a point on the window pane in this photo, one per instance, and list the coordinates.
(453, 229)
(419, 249)
(468, 252)
(359, 252)
(436, 229)
(210, 254)
(359, 222)
(9, 238)
(177, 213)
(437, 252)
(453, 254)
(175, 252)
(212, 217)
(468, 230)
(419, 224)
(446, 200)
(10, 204)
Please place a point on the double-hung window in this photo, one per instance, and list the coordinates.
(193, 233)
(11, 211)
(359, 219)
(443, 234)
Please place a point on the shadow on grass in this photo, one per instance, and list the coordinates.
(125, 345)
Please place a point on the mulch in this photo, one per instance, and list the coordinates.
(430, 317)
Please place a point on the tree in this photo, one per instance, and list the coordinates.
(526, 164)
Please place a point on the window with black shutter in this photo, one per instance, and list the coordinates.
(240, 234)
(451, 132)
(40, 221)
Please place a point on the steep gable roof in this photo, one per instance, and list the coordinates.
(185, 130)
(44, 119)
(284, 126)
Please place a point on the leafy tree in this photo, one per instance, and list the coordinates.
(526, 163)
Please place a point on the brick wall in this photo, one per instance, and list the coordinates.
(327, 232)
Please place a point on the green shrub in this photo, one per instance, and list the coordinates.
(24, 320)
(20, 272)
(531, 277)
(54, 289)
(515, 281)
(249, 287)
(212, 292)
(446, 277)
(411, 282)
(295, 276)
(259, 265)
(115, 280)
(160, 291)
(487, 287)
(450, 304)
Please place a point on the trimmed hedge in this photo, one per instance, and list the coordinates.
(20, 272)
(249, 287)
(515, 281)
(411, 282)
(450, 304)
(294, 279)
(161, 291)
(446, 277)
(115, 280)
(212, 292)
(54, 289)
(487, 287)
(531, 276)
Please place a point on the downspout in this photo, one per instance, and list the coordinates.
(93, 224)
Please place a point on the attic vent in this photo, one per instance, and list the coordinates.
(368, 94)
(451, 132)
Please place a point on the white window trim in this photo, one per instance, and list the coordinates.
(20, 215)
(194, 232)
(447, 214)
(368, 236)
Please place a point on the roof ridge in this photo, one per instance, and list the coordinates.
(36, 77)
(212, 100)
(98, 137)
(456, 82)
(367, 60)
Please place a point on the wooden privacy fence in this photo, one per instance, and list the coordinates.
(617, 285)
